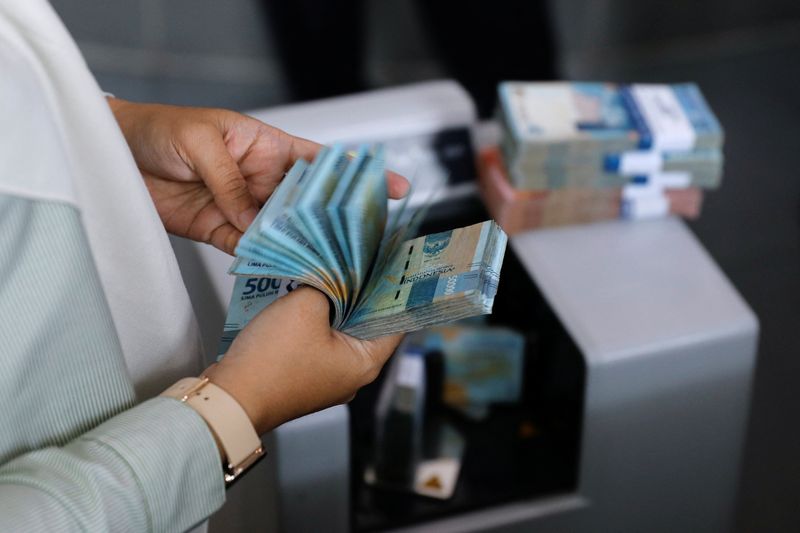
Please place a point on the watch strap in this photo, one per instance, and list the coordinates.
(228, 421)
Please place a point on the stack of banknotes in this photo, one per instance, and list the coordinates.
(590, 151)
(483, 365)
(415, 449)
(327, 225)
(519, 210)
(561, 134)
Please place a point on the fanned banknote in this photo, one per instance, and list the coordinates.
(327, 226)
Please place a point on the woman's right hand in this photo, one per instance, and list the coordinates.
(209, 170)
(288, 362)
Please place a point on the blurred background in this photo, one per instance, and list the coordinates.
(745, 56)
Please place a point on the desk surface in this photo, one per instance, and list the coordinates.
(621, 287)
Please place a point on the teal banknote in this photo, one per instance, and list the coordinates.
(483, 365)
(250, 296)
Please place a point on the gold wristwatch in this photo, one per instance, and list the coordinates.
(232, 429)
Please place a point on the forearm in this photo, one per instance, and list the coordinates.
(154, 467)
(63, 373)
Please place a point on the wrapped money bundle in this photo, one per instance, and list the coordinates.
(518, 210)
(326, 225)
(600, 135)
(483, 365)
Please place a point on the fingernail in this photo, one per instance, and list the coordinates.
(246, 218)
(402, 187)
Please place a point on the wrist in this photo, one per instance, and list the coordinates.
(116, 104)
(136, 120)
(237, 442)
(252, 395)
(124, 112)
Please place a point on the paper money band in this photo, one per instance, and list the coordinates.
(659, 113)
(227, 420)
(634, 163)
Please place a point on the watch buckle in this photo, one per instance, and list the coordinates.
(232, 472)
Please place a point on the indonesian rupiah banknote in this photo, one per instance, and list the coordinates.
(592, 134)
(483, 365)
(327, 225)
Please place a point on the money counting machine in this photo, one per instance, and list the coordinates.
(638, 358)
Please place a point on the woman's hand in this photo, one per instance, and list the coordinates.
(209, 170)
(288, 362)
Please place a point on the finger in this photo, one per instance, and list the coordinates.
(225, 238)
(398, 186)
(189, 210)
(210, 159)
(301, 149)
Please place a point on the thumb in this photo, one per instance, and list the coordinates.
(383, 347)
(214, 165)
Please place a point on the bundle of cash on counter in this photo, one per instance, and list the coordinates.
(416, 449)
(580, 152)
(327, 225)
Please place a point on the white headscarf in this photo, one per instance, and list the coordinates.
(82, 158)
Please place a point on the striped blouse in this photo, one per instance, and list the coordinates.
(92, 311)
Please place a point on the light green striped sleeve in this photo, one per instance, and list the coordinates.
(154, 467)
(75, 453)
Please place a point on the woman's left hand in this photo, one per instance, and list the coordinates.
(209, 170)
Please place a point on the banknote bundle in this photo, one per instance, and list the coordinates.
(416, 450)
(327, 225)
(580, 152)
(518, 210)
(468, 366)
(581, 134)
(483, 365)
